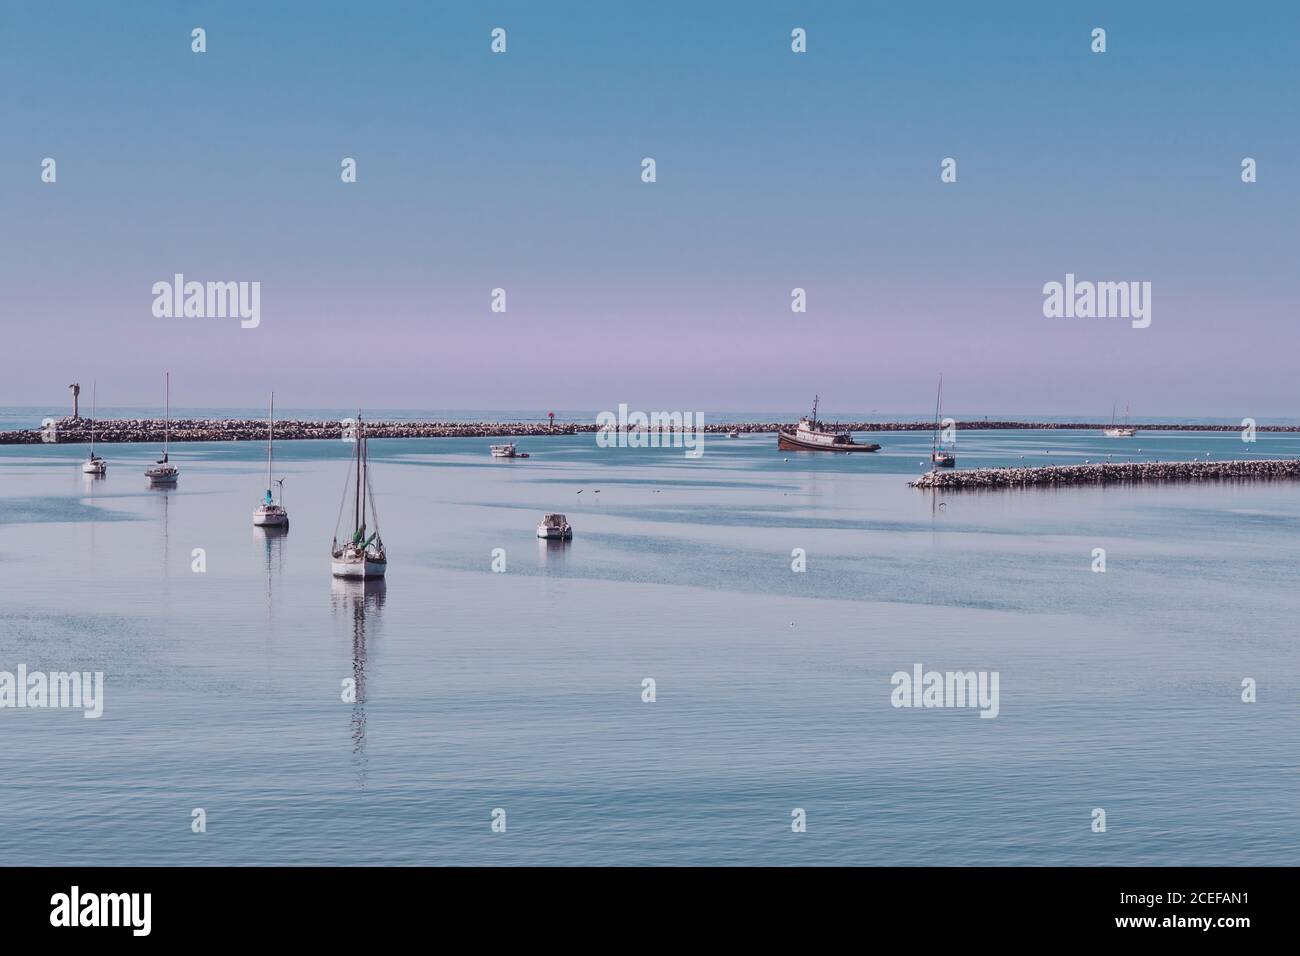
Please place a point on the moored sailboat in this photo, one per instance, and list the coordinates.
(94, 465)
(270, 513)
(940, 457)
(163, 472)
(1119, 431)
(362, 556)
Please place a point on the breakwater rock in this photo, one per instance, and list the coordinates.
(72, 430)
(1111, 474)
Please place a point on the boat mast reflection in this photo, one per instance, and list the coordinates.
(360, 603)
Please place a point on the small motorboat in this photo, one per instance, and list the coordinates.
(555, 527)
(508, 451)
(734, 433)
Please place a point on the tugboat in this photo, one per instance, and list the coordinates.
(360, 556)
(555, 527)
(812, 435)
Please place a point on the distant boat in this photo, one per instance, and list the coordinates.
(1119, 431)
(734, 433)
(270, 513)
(812, 435)
(361, 556)
(939, 456)
(555, 527)
(94, 465)
(163, 472)
(508, 451)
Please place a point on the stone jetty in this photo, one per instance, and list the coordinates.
(72, 430)
(1107, 473)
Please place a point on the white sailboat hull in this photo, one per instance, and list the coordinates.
(263, 518)
(162, 476)
(360, 570)
(97, 467)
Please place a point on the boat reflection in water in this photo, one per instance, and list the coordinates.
(272, 538)
(359, 603)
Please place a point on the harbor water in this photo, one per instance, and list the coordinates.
(318, 722)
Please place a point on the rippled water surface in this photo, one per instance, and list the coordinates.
(522, 690)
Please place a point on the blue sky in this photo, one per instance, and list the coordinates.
(775, 170)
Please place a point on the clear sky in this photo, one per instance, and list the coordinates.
(775, 170)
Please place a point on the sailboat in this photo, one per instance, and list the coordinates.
(163, 472)
(940, 457)
(94, 465)
(1119, 431)
(361, 556)
(270, 513)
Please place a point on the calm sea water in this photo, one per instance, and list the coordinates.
(522, 690)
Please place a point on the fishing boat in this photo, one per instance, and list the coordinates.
(1119, 431)
(812, 435)
(362, 556)
(940, 457)
(163, 472)
(508, 451)
(270, 513)
(734, 433)
(555, 527)
(94, 465)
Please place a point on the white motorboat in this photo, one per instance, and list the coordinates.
(163, 472)
(362, 556)
(270, 513)
(508, 450)
(555, 527)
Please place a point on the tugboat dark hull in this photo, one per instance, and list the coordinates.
(788, 441)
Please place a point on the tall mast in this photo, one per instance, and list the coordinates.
(364, 478)
(356, 507)
(816, 398)
(167, 414)
(270, 440)
(938, 401)
(1125, 414)
(94, 388)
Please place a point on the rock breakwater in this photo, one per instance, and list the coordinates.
(1100, 474)
(72, 430)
